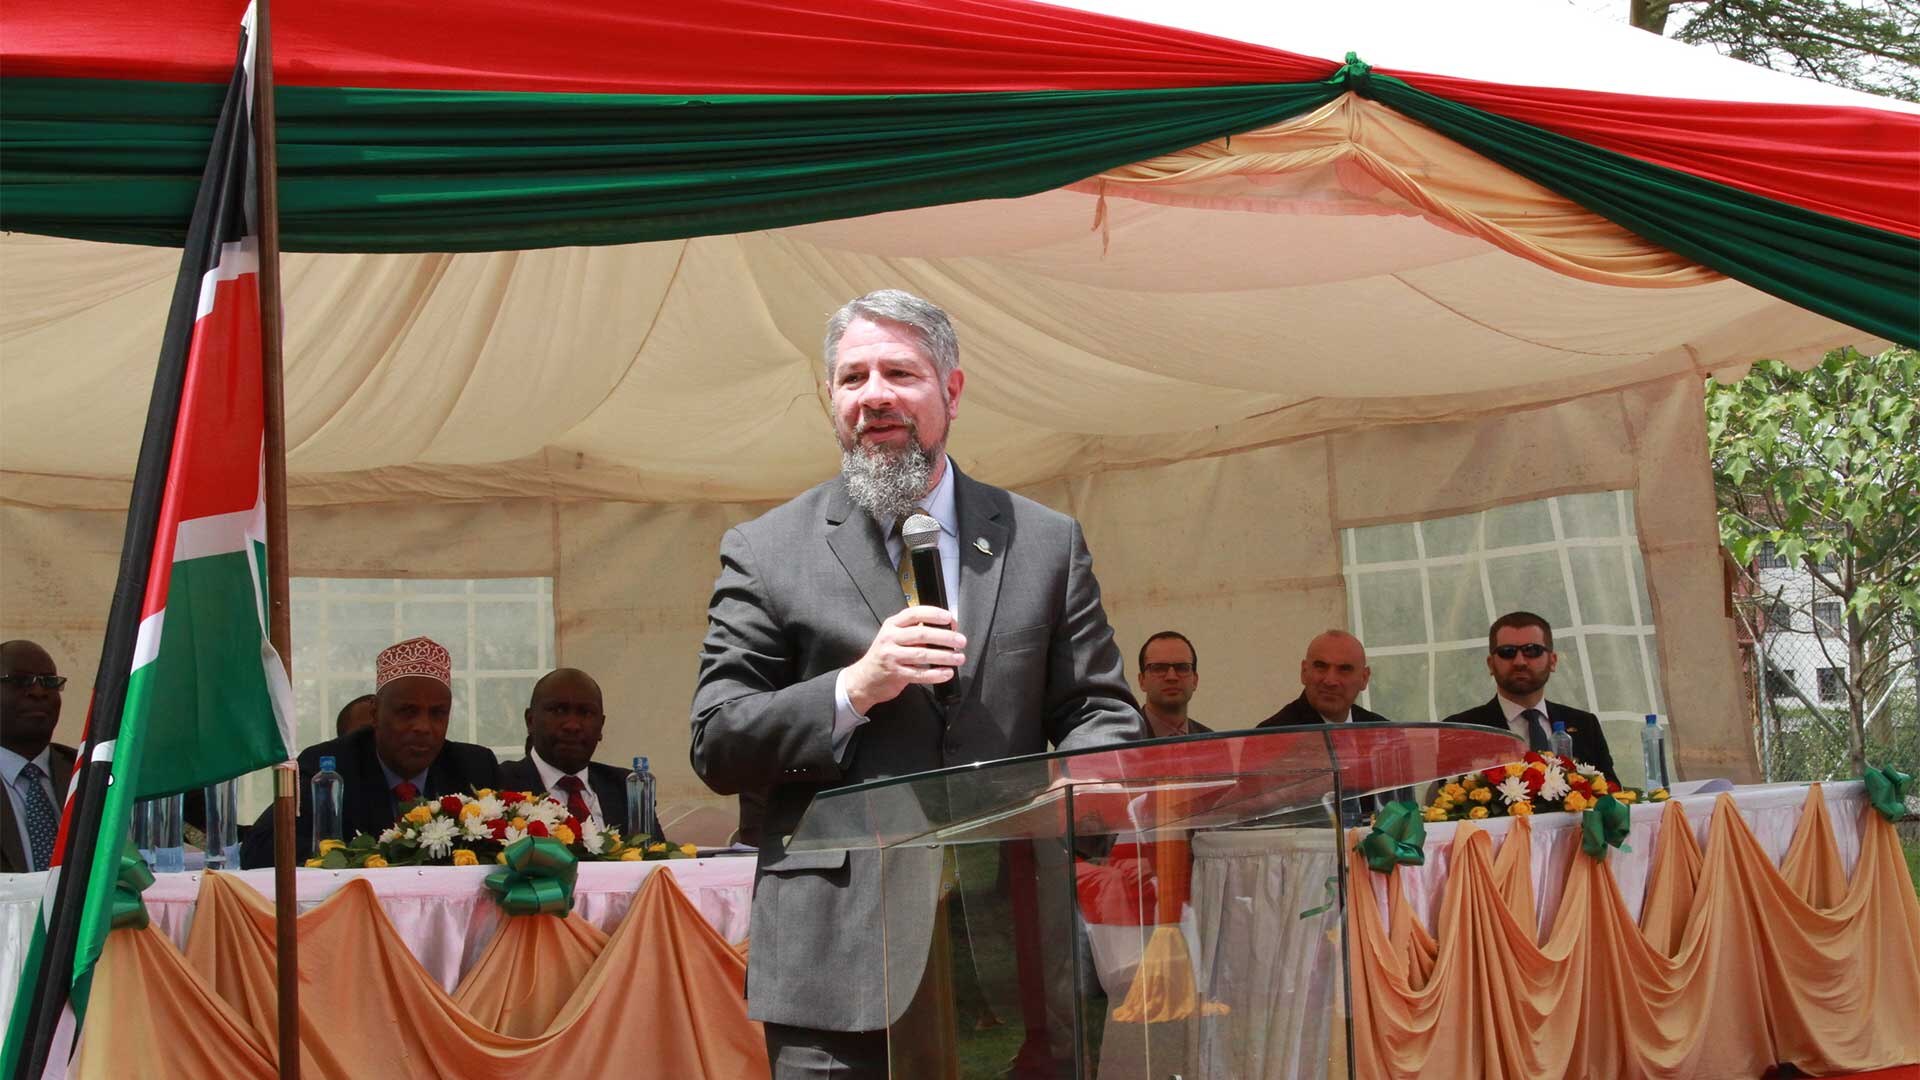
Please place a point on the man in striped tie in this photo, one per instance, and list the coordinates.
(34, 767)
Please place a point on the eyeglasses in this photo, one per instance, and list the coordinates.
(1162, 669)
(27, 682)
(1531, 652)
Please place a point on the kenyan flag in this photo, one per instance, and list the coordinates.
(190, 691)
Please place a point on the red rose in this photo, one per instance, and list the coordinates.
(573, 825)
(1533, 756)
(511, 797)
(450, 805)
(1579, 783)
(536, 828)
(498, 827)
(1533, 781)
(1495, 775)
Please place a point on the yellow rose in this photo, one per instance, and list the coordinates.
(1626, 796)
(471, 810)
(1659, 795)
(1454, 792)
(518, 823)
(1575, 802)
(1435, 813)
(563, 834)
(1600, 786)
(1535, 766)
(465, 857)
(500, 857)
(1516, 769)
(1520, 809)
(1481, 795)
(483, 793)
(689, 849)
(314, 863)
(1443, 803)
(330, 845)
(1473, 781)
(1477, 813)
(656, 846)
(420, 815)
(630, 855)
(374, 861)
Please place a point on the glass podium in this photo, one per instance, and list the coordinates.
(1044, 916)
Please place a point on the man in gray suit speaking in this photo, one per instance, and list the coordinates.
(816, 672)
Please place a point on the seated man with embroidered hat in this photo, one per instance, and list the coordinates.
(404, 756)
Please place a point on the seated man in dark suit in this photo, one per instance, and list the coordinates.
(1332, 674)
(404, 756)
(34, 768)
(1169, 669)
(564, 720)
(1521, 659)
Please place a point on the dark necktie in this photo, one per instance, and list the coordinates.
(1536, 738)
(576, 797)
(404, 792)
(42, 823)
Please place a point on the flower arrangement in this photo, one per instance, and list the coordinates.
(1538, 783)
(467, 830)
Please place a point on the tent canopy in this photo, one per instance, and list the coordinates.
(530, 274)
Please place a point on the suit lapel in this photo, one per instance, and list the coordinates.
(855, 540)
(13, 857)
(984, 515)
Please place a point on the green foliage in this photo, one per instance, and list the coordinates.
(1870, 45)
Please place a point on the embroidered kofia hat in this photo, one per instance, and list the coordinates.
(414, 656)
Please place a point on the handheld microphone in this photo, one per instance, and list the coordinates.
(921, 534)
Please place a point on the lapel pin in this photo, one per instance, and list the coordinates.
(981, 543)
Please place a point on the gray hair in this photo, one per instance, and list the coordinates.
(924, 319)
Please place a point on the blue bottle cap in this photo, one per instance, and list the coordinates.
(1559, 725)
(1652, 718)
(639, 763)
(326, 764)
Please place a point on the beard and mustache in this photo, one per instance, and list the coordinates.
(887, 482)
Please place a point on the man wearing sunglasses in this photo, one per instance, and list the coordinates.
(1521, 659)
(34, 767)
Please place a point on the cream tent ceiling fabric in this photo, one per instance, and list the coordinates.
(688, 370)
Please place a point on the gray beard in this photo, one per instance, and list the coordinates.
(887, 486)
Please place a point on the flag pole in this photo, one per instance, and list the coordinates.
(286, 776)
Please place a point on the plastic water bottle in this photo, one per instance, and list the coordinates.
(223, 825)
(1653, 746)
(328, 790)
(1561, 743)
(167, 818)
(640, 820)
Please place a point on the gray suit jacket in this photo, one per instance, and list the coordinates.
(801, 592)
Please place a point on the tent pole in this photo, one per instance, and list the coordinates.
(279, 623)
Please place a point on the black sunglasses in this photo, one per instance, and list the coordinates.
(25, 682)
(1531, 652)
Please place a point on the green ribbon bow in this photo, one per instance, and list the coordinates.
(1887, 789)
(1399, 836)
(1352, 75)
(538, 878)
(129, 911)
(1605, 826)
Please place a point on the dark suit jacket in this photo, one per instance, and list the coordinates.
(1589, 741)
(1298, 713)
(15, 859)
(609, 784)
(801, 592)
(367, 806)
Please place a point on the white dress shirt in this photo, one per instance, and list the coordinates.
(1518, 724)
(939, 505)
(10, 766)
(550, 776)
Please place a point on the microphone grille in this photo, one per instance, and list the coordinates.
(920, 532)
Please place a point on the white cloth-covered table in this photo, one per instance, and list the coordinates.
(444, 913)
(1249, 888)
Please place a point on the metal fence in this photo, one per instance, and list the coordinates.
(1798, 699)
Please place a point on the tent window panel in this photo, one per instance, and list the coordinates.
(500, 705)
(1574, 559)
(1399, 686)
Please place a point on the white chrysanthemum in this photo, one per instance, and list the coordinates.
(475, 829)
(1555, 784)
(546, 810)
(1513, 790)
(388, 835)
(491, 807)
(437, 837)
(512, 835)
(1585, 769)
(592, 836)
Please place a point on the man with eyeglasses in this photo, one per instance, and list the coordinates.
(36, 768)
(1169, 674)
(1521, 659)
